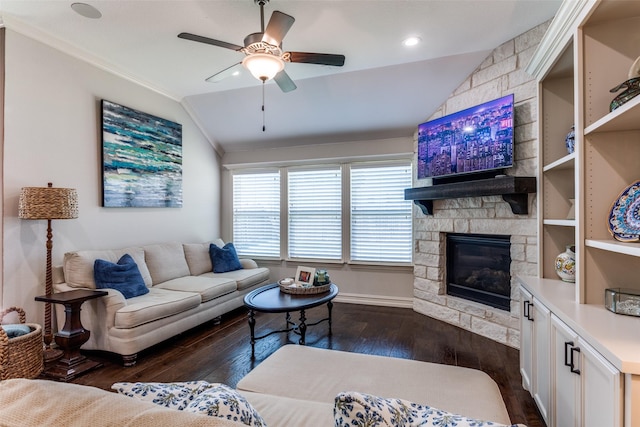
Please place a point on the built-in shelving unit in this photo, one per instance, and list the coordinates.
(587, 51)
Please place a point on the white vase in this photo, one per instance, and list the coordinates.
(566, 264)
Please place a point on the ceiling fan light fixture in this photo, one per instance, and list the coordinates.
(263, 66)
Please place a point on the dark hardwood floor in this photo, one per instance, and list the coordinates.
(222, 352)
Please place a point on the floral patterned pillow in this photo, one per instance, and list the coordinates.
(217, 400)
(360, 409)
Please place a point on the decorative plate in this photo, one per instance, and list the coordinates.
(624, 218)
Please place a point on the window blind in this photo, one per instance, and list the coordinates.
(315, 213)
(381, 220)
(256, 214)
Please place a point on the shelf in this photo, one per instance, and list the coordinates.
(623, 118)
(567, 162)
(560, 222)
(611, 245)
(513, 189)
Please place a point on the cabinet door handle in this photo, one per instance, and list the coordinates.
(573, 367)
(567, 362)
(526, 312)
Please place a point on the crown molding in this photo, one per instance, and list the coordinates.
(560, 32)
(194, 117)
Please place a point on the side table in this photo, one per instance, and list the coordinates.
(71, 337)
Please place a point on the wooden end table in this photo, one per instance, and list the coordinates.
(71, 337)
(269, 299)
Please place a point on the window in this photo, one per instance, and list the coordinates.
(315, 213)
(256, 214)
(344, 213)
(381, 220)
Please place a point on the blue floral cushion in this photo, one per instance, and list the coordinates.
(124, 276)
(216, 400)
(360, 409)
(225, 258)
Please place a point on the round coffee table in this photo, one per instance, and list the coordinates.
(269, 299)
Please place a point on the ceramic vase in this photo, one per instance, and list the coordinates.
(566, 264)
(570, 140)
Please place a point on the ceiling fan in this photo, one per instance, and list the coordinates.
(265, 58)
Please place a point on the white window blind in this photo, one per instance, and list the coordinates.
(256, 214)
(315, 213)
(380, 217)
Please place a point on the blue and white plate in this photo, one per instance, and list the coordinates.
(624, 218)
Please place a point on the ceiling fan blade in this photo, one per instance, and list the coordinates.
(317, 58)
(207, 40)
(277, 28)
(284, 82)
(224, 73)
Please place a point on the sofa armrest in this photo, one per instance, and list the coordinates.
(248, 263)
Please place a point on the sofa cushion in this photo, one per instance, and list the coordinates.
(78, 265)
(225, 258)
(244, 278)
(198, 258)
(157, 304)
(27, 402)
(354, 408)
(216, 400)
(208, 287)
(123, 276)
(166, 261)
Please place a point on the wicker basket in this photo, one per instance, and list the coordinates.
(21, 357)
(311, 290)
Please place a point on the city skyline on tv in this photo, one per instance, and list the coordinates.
(477, 139)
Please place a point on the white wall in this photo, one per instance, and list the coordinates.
(52, 134)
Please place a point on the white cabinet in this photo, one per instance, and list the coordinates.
(534, 351)
(587, 388)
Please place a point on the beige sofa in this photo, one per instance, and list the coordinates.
(295, 387)
(183, 293)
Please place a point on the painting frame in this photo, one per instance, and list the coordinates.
(305, 276)
(141, 159)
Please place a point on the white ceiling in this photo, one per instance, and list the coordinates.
(383, 91)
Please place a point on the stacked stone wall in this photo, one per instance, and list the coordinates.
(501, 73)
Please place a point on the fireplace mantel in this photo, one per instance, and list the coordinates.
(513, 189)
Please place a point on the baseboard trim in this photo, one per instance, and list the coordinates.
(380, 300)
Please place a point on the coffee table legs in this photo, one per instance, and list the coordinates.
(300, 328)
(252, 327)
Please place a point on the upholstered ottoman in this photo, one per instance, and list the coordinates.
(316, 376)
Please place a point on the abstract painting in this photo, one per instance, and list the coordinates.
(141, 159)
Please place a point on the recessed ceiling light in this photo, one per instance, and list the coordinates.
(86, 10)
(411, 41)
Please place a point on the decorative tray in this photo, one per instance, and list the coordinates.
(624, 217)
(304, 290)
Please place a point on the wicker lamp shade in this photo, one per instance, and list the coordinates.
(48, 203)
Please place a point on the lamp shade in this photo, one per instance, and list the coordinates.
(263, 66)
(48, 203)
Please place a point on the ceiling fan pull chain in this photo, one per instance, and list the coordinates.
(263, 123)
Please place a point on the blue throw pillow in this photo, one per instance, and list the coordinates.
(224, 259)
(123, 276)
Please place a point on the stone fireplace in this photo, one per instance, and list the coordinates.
(501, 73)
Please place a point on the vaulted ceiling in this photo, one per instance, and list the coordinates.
(383, 90)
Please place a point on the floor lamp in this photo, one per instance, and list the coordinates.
(48, 203)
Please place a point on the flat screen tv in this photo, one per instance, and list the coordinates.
(470, 141)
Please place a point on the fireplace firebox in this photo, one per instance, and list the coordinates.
(479, 268)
